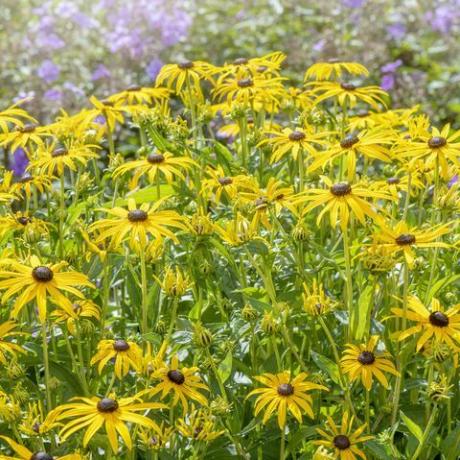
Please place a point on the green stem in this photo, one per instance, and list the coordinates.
(61, 217)
(283, 443)
(425, 433)
(349, 282)
(144, 292)
(300, 160)
(47, 366)
(172, 321)
(244, 141)
(216, 373)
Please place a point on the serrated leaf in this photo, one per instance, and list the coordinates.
(412, 426)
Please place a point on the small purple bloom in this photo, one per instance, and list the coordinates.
(387, 82)
(353, 3)
(101, 72)
(53, 94)
(19, 163)
(453, 181)
(391, 67)
(48, 71)
(396, 30)
(154, 67)
(441, 19)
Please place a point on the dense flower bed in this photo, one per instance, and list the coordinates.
(226, 266)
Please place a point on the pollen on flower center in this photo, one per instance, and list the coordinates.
(349, 141)
(245, 83)
(155, 158)
(23, 220)
(296, 136)
(137, 215)
(240, 61)
(437, 142)
(393, 180)
(27, 128)
(107, 103)
(134, 88)
(176, 377)
(107, 405)
(42, 274)
(366, 357)
(59, 152)
(185, 65)
(25, 178)
(439, 319)
(341, 189)
(285, 389)
(347, 86)
(341, 442)
(261, 203)
(120, 345)
(41, 456)
(225, 180)
(405, 239)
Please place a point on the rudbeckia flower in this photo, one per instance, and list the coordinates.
(363, 361)
(127, 355)
(38, 281)
(199, 425)
(315, 300)
(30, 182)
(284, 393)
(27, 136)
(140, 95)
(15, 116)
(434, 323)
(334, 69)
(6, 330)
(268, 64)
(92, 413)
(81, 309)
(113, 112)
(23, 224)
(343, 439)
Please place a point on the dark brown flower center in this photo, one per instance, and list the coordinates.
(245, 83)
(25, 178)
(176, 377)
(347, 86)
(42, 274)
(27, 128)
(134, 88)
(261, 203)
(107, 405)
(437, 142)
(137, 215)
(23, 220)
(341, 189)
(439, 319)
(107, 103)
(405, 239)
(41, 456)
(225, 180)
(240, 61)
(185, 65)
(77, 308)
(349, 141)
(363, 113)
(262, 68)
(296, 136)
(120, 345)
(342, 442)
(285, 389)
(155, 158)
(36, 427)
(59, 152)
(366, 358)
(393, 180)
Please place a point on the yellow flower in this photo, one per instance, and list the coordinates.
(28, 136)
(28, 182)
(182, 382)
(237, 231)
(140, 95)
(284, 393)
(113, 112)
(396, 184)
(348, 93)
(35, 423)
(127, 355)
(156, 439)
(98, 249)
(220, 183)
(6, 330)
(199, 425)
(341, 199)
(14, 115)
(81, 309)
(334, 69)
(92, 413)
(175, 283)
(136, 224)
(403, 238)
(36, 281)
(363, 361)
(442, 326)
(265, 65)
(154, 164)
(369, 144)
(293, 141)
(315, 300)
(24, 224)
(25, 454)
(343, 439)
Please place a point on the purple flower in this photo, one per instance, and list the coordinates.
(441, 19)
(153, 68)
(101, 72)
(19, 163)
(387, 82)
(391, 67)
(48, 71)
(319, 45)
(396, 30)
(53, 94)
(389, 74)
(353, 3)
(453, 181)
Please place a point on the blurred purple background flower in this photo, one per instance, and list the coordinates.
(19, 162)
(389, 74)
(396, 30)
(48, 71)
(100, 72)
(353, 3)
(153, 68)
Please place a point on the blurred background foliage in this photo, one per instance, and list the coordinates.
(61, 51)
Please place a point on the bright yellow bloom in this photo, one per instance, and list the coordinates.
(28, 136)
(136, 224)
(237, 231)
(156, 439)
(397, 184)
(113, 112)
(23, 224)
(403, 238)
(35, 280)
(6, 330)
(315, 300)
(127, 355)
(341, 199)
(36, 423)
(175, 282)
(199, 425)
(435, 323)
(15, 116)
(220, 183)
(81, 309)
(363, 361)
(343, 439)
(92, 413)
(28, 183)
(283, 393)
(334, 69)
(183, 383)
(268, 65)
(140, 95)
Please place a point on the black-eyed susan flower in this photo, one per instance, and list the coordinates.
(136, 224)
(315, 300)
(334, 69)
(366, 362)
(348, 93)
(127, 355)
(284, 394)
(199, 425)
(182, 382)
(399, 183)
(81, 309)
(136, 94)
(174, 282)
(93, 413)
(36, 280)
(343, 439)
(14, 115)
(434, 323)
(156, 439)
(23, 453)
(7, 347)
(154, 164)
(267, 64)
(341, 199)
(28, 136)
(113, 112)
(27, 184)
(36, 422)
(22, 223)
(402, 238)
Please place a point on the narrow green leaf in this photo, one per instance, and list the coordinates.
(412, 426)
(327, 366)
(225, 367)
(360, 316)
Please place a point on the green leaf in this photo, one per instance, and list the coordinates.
(442, 283)
(450, 446)
(66, 375)
(326, 365)
(412, 426)
(360, 316)
(225, 367)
